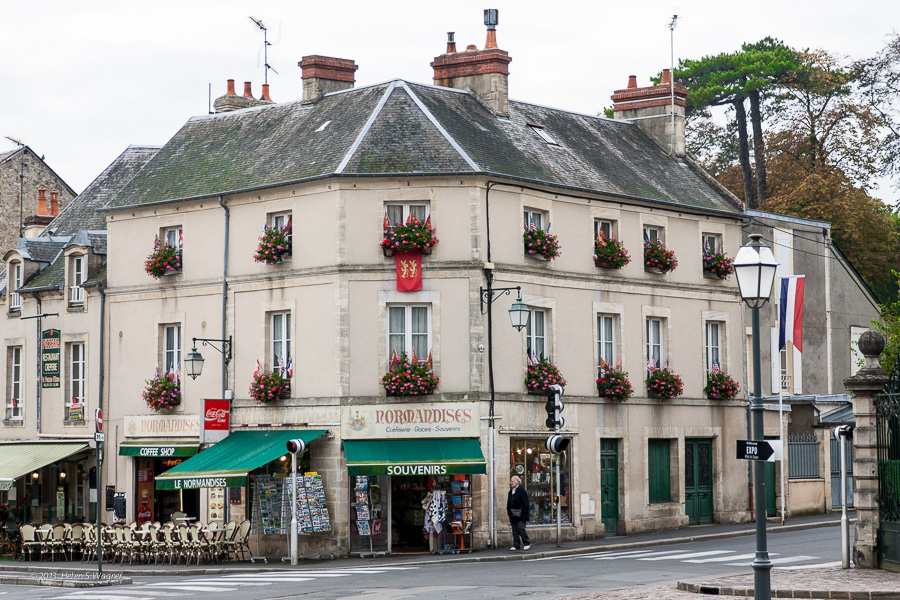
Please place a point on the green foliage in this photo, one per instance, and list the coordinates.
(889, 325)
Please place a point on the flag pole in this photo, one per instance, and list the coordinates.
(781, 434)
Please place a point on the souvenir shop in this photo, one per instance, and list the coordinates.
(536, 467)
(410, 474)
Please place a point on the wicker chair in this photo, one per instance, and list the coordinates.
(75, 540)
(30, 542)
(56, 542)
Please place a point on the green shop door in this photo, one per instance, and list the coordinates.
(698, 504)
(609, 486)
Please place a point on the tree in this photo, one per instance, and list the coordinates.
(888, 323)
(879, 83)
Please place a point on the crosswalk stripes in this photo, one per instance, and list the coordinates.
(725, 557)
(154, 590)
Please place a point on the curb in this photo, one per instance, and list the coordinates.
(66, 582)
(192, 572)
(717, 590)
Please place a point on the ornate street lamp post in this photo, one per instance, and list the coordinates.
(754, 266)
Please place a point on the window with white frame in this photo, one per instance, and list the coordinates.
(653, 234)
(711, 243)
(606, 341)
(280, 336)
(76, 380)
(536, 334)
(713, 345)
(171, 348)
(398, 214)
(605, 227)
(534, 217)
(77, 275)
(14, 383)
(172, 236)
(655, 350)
(409, 330)
(15, 282)
(542, 133)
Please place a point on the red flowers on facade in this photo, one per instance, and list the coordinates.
(664, 384)
(657, 258)
(274, 244)
(541, 375)
(269, 386)
(610, 253)
(614, 384)
(164, 259)
(720, 386)
(540, 242)
(409, 377)
(163, 392)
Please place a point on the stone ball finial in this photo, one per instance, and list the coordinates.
(871, 344)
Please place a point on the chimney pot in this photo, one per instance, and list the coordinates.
(666, 76)
(42, 201)
(247, 91)
(471, 47)
(639, 103)
(632, 81)
(54, 203)
(265, 93)
(324, 74)
(451, 43)
(230, 91)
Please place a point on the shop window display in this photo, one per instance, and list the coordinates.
(536, 467)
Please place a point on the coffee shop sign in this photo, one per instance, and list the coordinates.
(413, 420)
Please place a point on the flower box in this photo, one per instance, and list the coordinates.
(409, 377)
(274, 245)
(541, 375)
(269, 386)
(664, 384)
(718, 264)
(720, 386)
(614, 385)
(412, 235)
(657, 259)
(540, 243)
(164, 260)
(162, 392)
(610, 253)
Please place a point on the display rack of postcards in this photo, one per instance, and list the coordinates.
(312, 513)
(367, 531)
(267, 515)
(461, 507)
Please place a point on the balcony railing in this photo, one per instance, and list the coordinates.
(76, 294)
(15, 301)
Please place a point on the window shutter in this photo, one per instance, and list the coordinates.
(658, 467)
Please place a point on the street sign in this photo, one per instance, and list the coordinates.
(99, 454)
(99, 419)
(99, 437)
(755, 450)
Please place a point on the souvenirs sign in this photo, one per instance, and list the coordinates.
(412, 420)
(50, 358)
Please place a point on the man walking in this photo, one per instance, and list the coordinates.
(517, 509)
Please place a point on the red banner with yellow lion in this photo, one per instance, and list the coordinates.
(409, 270)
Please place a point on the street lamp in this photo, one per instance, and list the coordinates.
(518, 316)
(754, 266)
(193, 362)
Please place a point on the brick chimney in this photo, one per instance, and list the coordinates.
(484, 73)
(324, 74)
(54, 203)
(651, 109)
(42, 201)
(231, 101)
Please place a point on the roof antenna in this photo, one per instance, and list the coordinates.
(672, 24)
(266, 45)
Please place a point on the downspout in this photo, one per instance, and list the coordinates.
(102, 374)
(489, 276)
(225, 291)
(37, 366)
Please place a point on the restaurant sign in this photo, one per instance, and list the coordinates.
(144, 426)
(412, 420)
(6, 485)
(50, 358)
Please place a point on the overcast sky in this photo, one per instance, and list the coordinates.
(80, 81)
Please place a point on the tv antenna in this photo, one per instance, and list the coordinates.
(266, 45)
(672, 24)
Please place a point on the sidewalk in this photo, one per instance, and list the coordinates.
(826, 583)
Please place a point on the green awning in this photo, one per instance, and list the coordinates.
(23, 457)
(158, 449)
(227, 463)
(414, 457)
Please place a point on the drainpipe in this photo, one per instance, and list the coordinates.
(37, 367)
(225, 290)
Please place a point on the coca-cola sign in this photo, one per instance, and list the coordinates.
(216, 415)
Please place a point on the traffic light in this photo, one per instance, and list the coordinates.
(557, 444)
(554, 406)
(296, 446)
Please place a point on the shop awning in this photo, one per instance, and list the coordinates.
(228, 463)
(158, 449)
(414, 457)
(21, 458)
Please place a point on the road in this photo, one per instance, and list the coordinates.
(538, 578)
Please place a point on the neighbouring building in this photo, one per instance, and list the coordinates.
(338, 171)
(52, 334)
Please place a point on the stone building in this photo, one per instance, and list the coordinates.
(36, 174)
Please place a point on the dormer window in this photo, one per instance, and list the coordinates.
(15, 282)
(77, 275)
(542, 133)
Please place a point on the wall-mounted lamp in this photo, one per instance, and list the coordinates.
(35, 475)
(194, 360)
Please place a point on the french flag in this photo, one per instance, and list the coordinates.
(790, 320)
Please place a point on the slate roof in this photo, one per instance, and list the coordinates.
(51, 277)
(399, 128)
(41, 249)
(82, 213)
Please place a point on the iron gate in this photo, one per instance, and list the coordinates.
(887, 424)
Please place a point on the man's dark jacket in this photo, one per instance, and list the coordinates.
(517, 499)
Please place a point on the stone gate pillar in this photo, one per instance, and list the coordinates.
(868, 381)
